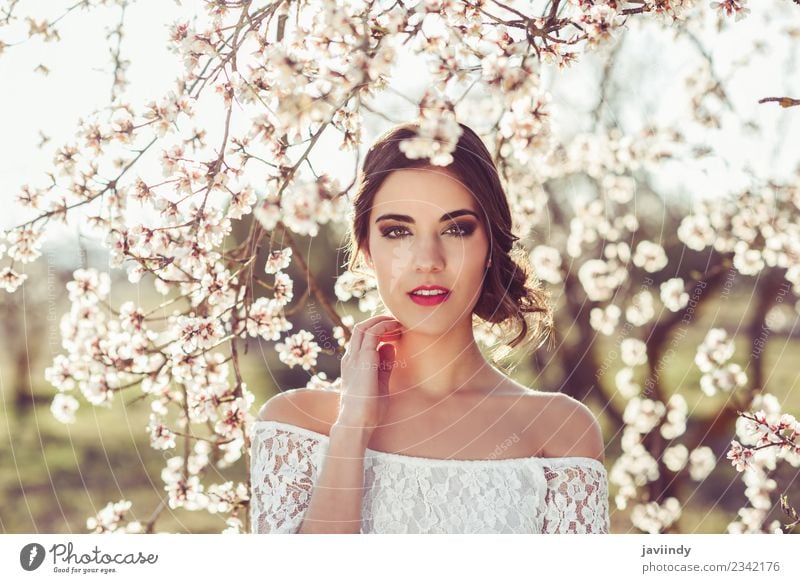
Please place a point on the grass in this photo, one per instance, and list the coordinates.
(59, 475)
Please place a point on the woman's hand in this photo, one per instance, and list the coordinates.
(366, 371)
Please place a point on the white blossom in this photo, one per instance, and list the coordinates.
(620, 189)
(299, 349)
(278, 260)
(599, 279)
(715, 350)
(437, 135)
(727, 378)
(546, 262)
(747, 261)
(338, 331)
(696, 232)
(198, 332)
(109, 518)
(640, 310)
(605, 320)
(63, 408)
(160, 435)
(675, 423)
(701, 463)
(10, 280)
(633, 352)
(643, 414)
(241, 203)
(653, 517)
(675, 457)
(673, 294)
(624, 383)
(88, 286)
(650, 256)
(25, 244)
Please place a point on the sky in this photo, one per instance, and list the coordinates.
(649, 73)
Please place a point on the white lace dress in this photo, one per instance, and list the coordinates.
(407, 494)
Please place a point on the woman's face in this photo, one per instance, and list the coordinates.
(425, 230)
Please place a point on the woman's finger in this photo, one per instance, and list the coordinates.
(372, 335)
(357, 339)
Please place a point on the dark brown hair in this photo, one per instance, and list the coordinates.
(510, 290)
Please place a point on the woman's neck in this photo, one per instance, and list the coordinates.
(437, 367)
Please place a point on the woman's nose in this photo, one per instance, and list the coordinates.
(428, 256)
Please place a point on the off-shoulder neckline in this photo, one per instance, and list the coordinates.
(410, 458)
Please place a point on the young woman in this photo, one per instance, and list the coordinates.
(425, 435)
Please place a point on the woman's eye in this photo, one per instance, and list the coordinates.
(389, 231)
(463, 229)
(458, 229)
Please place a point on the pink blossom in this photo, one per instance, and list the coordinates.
(739, 456)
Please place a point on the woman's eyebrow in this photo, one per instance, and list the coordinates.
(445, 217)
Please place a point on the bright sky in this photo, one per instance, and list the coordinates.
(650, 76)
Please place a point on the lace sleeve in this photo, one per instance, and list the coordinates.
(283, 468)
(577, 497)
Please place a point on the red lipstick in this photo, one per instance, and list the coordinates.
(434, 295)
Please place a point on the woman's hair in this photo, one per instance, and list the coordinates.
(510, 290)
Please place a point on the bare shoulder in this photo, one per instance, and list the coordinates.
(562, 426)
(575, 429)
(311, 409)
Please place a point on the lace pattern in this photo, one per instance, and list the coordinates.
(407, 494)
(577, 497)
(283, 469)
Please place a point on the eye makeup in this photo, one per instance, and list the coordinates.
(460, 230)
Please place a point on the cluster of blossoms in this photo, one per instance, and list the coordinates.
(734, 8)
(600, 278)
(765, 437)
(712, 359)
(25, 246)
(653, 517)
(184, 491)
(99, 349)
(635, 467)
(758, 227)
(109, 520)
(437, 136)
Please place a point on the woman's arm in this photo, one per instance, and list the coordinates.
(336, 501)
(320, 497)
(337, 492)
(335, 505)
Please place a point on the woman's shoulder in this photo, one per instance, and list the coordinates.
(561, 425)
(574, 429)
(312, 409)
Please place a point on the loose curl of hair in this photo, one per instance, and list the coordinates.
(511, 292)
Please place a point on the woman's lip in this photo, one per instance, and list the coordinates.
(429, 300)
